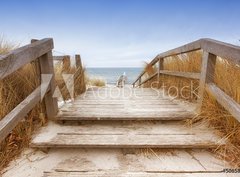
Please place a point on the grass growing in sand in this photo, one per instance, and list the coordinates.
(95, 81)
(227, 78)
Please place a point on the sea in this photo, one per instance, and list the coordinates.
(111, 75)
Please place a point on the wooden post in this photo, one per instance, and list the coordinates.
(160, 67)
(139, 81)
(78, 61)
(207, 75)
(46, 67)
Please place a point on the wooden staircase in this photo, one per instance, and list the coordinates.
(126, 120)
(121, 132)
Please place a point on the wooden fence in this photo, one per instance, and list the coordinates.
(211, 49)
(40, 50)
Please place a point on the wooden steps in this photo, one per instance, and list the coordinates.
(118, 162)
(123, 104)
(114, 135)
(141, 163)
(130, 134)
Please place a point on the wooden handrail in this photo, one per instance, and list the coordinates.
(41, 50)
(211, 50)
(17, 58)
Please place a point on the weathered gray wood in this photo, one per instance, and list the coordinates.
(181, 74)
(160, 68)
(207, 75)
(193, 46)
(128, 135)
(9, 122)
(60, 58)
(145, 104)
(78, 61)
(23, 55)
(136, 174)
(226, 101)
(149, 78)
(46, 66)
(221, 49)
(224, 50)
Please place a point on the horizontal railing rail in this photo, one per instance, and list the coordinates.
(211, 50)
(38, 50)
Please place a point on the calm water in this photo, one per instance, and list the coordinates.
(112, 74)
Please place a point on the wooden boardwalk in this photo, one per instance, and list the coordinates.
(124, 121)
(106, 108)
(123, 104)
(120, 131)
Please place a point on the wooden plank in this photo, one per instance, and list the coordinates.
(119, 135)
(149, 78)
(170, 115)
(61, 57)
(193, 46)
(181, 74)
(226, 101)
(170, 161)
(23, 55)
(10, 121)
(221, 49)
(46, 67)
(136, 174)
(78, 61)
(160, 68)
(128, 141)
(207, 76)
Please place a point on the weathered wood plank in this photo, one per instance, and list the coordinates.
(23, 55)
(137, 174)
(144, 116)
(181, 74)
(46, 67)
(113, 162)
(149, 78)
(222, 49)
(226, 101)
(60, 58)
(78, 61)
(193, 46)
(9, 122)
(207, 76)
(131, 135)
(151, 106)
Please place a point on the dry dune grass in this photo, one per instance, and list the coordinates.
(96, 82)
(227, 78)
(15, 88)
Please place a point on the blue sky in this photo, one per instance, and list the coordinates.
(119, 32)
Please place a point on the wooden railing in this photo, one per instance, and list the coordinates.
(211, 49)
(41, 50)
(68, 83)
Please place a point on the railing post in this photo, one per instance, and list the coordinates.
(46, 67)
(160, 67)
(78, 61)
(139, 81)
(207, 76)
